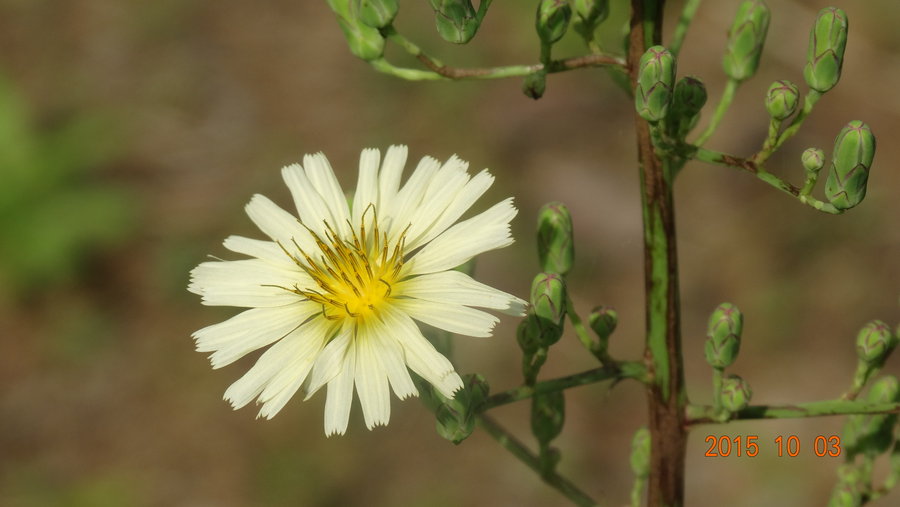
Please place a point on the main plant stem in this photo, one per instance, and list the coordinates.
(666, 394)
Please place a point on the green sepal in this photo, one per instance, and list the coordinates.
(655, 83)
(724, 335)
(854, 149)
(457, 21)
(875, 342)
(825, 53)
(548, 415)
(736, 393)
(548, 304)
(364, 41)
(377, 13)
(588, 16)
(782, 99)
(746, 38)
(688, 99)
(552, 20)
(556, 246)
(640, 453)
(456, 417)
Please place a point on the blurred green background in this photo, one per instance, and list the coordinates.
(132, 134)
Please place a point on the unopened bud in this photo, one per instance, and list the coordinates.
(548, 301)
(736, 393)
(603, 321)
(825, 55)
(854, 149)
(456, 416)
(588, 15)
(813, 160)
(552, 20)
(875, 342)
(364, 41)
(457, 21)
(884, 390)
(724, 335)
(535, 84)
(640, 453)
(745, 40)
(377, 13)
(782, 98)
(687, 101)
(556, 247)
(655, 82)
(548, 414)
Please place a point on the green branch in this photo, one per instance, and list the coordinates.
(724, 103)
(684, 22)
(705, 414)
(518, 449)
(615, 371)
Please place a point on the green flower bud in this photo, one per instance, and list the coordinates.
(552, 20)
(548, 300)
(588, 16)
(656, 78)
(745, 40)
(377, 13)
(825, 54)
(603, 320)
(875, 342)
(365, 41)
(556, 248)
(885, 390)
(724, 335)
(456, 417)
(854, 149)
(736, 393)
(782, 98)
(813, 160)
(640, 453)
(548, 414)
(456, 20)
(687, 101)
(535, 84)
(528, 334)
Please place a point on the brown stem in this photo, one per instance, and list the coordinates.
(666, 393)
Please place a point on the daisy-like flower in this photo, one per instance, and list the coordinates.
(335, 291)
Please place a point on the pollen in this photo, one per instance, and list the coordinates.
(354, 276)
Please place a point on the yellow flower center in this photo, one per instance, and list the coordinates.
(354, 276)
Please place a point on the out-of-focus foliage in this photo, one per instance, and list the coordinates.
(52, 216)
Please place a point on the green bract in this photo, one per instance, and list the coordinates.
(556, 248)
(854, 149)
(781, 99)
(813, 160)
(377, 13)
(825, 54)
(456, 20)
(875, 342)
(724, 335)
(588, 15)
(548, 413)
(745, 40)
(365, 41)
(640, 453)
(552, 20)
(736, 393)
(655, 80)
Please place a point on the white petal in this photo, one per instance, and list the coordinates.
(340, 396)
(321, 175)
(457, 288)
(283, 385)
(260, 249)
(449, 317)
(371, 381)
(441, 191)
(331, 361)
(250, 330)
(391, 354)
(367, 185)
(247, 283)
(269, 364)
(278, 224)
(462, 201)
(420, 354)
(391, 171)
(310, 207)
(487, 231)
(403, 209)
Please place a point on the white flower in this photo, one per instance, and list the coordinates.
(334, 293)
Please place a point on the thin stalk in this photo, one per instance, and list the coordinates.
(724, 103)
(580, 331)
(706, 414)
(717, 388)
(666, 395)
(684, 22)
(518, 449)
(616, 371)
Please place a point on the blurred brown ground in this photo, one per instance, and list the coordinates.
(104, 402)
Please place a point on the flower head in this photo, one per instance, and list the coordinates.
(335, 291)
